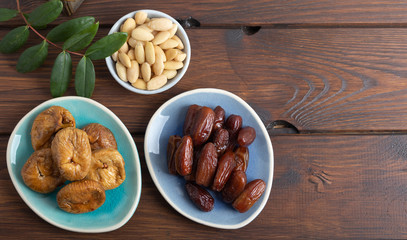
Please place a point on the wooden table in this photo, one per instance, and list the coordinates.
(328, 79)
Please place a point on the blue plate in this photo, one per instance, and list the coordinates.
(168, 120)
(120, 203)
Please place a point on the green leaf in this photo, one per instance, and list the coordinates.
(106, 46)
(67, 29)
(61, 74)
(14, 40)
(7, 14)
(32, 57)
(81, 39)
(45, 13)
(85, 78)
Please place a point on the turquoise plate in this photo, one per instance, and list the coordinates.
(168, 120)
(120, 203)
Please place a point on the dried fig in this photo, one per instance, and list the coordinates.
(100, 136)
(40, 172)
(81, 196)
(47, 123)
(71, 150)
(107, 168)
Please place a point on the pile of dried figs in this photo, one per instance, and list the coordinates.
(86, 159)
(213, 153)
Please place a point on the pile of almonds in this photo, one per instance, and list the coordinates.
(152, 54)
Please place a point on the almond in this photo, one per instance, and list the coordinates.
(124, 59)
(171, 54)
(173, 30)
(128, 26)
(161, 37)
(139, 53)
(140, 84)
(173, 65)
(170, 74)
(140, 17)
(180, 44)
(142, 34)
(133, 72)
(160, 24)
(150, 53)
(180, 57)
(159, 53)
(121, 71)
(156, 82)
(170, 43)
(146, 71)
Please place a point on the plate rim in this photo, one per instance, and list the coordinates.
(269, 147)
(43, 216)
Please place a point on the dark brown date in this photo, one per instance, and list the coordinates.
(246, 136)
(234, 187)
(241, 158)
(219, 118)
(250, 195)
(221, 140)
(206, 167)
(226, 165)
(184, 156)
(173, 143)
(233, 124)
(190, 119)
(191, 177)
(200, 197)
(202, 127)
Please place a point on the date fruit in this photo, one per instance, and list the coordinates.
(184, 156)
(226, 165)
(190, 119)
(250, 195)
(233, 124)
(221, 140)
(206, 167)
(246, 136)
(202, 127)
(235, 186)
(241, 158)
(200, 197)
(219, 118)
(173, 143)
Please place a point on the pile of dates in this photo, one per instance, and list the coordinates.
(86, 159)
(213, 153)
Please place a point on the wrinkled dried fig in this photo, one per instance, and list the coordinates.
(100, 136)
(40, 172)
(81, 196)
(107, 168)
(71, 150)
(47, 123)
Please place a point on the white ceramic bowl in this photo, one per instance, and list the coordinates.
(180, 33)
(168, 120)
(121, 202)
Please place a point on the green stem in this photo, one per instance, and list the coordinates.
(41, 36)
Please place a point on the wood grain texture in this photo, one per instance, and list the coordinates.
(257, 12)
(319, 80)
(325, 187)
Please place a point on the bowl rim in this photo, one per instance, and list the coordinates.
(134, 206)
(172, 82)
(269, 181)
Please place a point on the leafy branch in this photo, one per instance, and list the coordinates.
(75, 34)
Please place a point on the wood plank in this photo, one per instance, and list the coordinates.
(319, 80)
(325, 187)
(257, 12)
